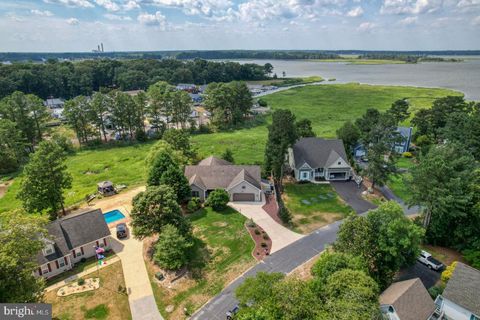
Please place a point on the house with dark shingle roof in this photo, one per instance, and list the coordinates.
(461, 298)
(72, 238)
(406, 300)
(317, 159)
(243, 183)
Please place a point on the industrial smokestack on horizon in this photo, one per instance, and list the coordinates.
(102, 46)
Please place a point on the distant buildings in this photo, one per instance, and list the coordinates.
(55, 107)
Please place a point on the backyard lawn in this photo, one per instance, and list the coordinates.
(313, 205)
(103, 303)
(328, 106)
(397, 182)
(223, 252)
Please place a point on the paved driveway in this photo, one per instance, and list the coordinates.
(281, 236)
(429, 277)
(140, 294)
(351, 194)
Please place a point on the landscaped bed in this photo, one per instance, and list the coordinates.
(263, 243)
(313, 205)
(105, 302)
(223, 252)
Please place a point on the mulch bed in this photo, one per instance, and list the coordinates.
(271, 207)
(263, 243)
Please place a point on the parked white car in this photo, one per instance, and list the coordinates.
(427, 259)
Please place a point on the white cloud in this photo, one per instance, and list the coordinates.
(116, 17)
(196, 7)
(72, 3)
(366, 26)
(157, 19)
(108, 5)
(468, 3)
(410, 6)
(130, 5)
(73, 21)
(355, 12)
(41, 13)
(408, 21)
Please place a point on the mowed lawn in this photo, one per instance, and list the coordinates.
(222, 252)
(327, 106)
(103, 303)
(397, 182)
(313, 205)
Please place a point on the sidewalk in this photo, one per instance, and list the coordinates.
(81, 274)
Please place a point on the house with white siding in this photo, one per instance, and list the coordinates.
(461, 298)
(317, 159)
(70, 239)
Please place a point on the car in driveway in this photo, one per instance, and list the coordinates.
(427, 259)
(122, 230)
(231, 313)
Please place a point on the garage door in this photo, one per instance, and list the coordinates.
(243, 197)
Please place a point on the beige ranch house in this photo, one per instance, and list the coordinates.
(242, 182)
(70, 239)
(317, 159)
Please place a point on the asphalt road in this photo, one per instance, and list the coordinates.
(299, 252)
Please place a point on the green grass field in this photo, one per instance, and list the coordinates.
(224, 251)
(328, 106)
(397, 183)
(313, 205)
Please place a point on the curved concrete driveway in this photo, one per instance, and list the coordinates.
(281, 236)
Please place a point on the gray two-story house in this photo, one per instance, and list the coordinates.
(317, 159)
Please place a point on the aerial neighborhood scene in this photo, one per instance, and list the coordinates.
(240, 159)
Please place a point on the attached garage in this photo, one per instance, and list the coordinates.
(243, 197)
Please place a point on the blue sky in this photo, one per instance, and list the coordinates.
(79, 25)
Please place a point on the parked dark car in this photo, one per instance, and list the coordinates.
(231, 314)
(122, 231)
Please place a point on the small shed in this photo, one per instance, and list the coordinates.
(106, 188)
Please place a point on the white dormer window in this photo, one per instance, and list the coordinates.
(48, 250)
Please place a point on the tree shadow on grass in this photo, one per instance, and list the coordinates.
(199, 258)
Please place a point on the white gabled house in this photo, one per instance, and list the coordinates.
(461, 298)
(317, 159)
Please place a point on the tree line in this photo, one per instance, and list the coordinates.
(71, 79)
(256, 54)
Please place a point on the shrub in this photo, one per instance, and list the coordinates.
(262, 103)
(257, 232)
(140, 135)
(218, 200)
(447, 274)
(81, 282)
(436, 291)
(407, 154)
(264, 245)
(251, 224)
(284, 214)
(98, 312)
(265, 237)
(193, 205)
(473, 257)
(171, 249)
(83, 260)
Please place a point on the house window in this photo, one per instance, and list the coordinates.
(195, 194)
(48, 250)
(339, 162)
(78, 252)
(319, 170)
(304, 175)
(473, 317)
(61, 263)
(45, 269)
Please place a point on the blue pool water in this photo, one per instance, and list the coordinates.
(112, 216)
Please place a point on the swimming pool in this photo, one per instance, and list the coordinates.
(112, 216)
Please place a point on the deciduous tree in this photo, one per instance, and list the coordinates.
(171, 248)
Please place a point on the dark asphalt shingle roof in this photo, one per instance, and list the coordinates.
(74, 231)
(213, 173)
(410, 300)
(318, 152)
(463, 288)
